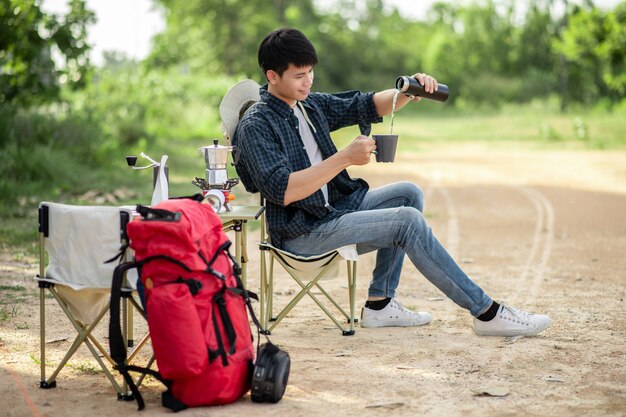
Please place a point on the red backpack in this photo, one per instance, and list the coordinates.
(195, 304)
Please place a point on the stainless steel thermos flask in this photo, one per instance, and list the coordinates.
(411, 87)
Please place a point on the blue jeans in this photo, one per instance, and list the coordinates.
(390, 221)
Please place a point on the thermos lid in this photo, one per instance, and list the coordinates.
(402, 83)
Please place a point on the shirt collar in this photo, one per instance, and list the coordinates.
(275, 103)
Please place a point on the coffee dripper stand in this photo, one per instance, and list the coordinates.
(160, 184)
(216, 186)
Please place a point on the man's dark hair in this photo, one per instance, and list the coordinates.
(283, 47)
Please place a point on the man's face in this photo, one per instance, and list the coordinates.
(293, 85)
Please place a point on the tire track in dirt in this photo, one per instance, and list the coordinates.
(452, 237)
(535, 268)
(536, 265)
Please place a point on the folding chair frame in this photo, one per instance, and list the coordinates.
(267, 288)
(84, 331)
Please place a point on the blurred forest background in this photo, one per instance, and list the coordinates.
(557, 68)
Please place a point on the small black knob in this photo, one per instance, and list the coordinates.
(131, 161)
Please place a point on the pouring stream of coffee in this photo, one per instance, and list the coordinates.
(393, 109)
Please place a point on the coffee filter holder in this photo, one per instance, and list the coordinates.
(161, 185)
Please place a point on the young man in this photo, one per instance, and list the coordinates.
(313, 206)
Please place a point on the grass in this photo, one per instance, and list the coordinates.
(7, 313)
(85, 367)
(12, 288)
(423, 125)
(11, 294)
(518, 125)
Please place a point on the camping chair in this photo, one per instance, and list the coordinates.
(78, 241)
(307, 272)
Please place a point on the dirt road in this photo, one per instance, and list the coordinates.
(543, 230)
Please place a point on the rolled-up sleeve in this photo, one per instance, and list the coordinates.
(350, 108)
(265, 161)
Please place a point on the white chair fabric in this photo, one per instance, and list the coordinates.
(307, 267)
(75, 244)
(80, 239)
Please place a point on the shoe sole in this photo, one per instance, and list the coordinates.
(393, 324)
(509, 334)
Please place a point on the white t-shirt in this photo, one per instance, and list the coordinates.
(312, 150)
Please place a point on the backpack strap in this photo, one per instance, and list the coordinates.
(116, 341)
(226, 321)
(247, 295)
(149, 213)
(223, 248)
(220, 345)
(117, 346)
(220, 305)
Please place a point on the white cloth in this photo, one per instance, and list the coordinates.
(80, 240)
(161, 188)
(312, 149)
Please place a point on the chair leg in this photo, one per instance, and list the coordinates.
(352, 292)
(270, 298)
(138, 307)
(140, 379)
(131, 322)
(263, 293)
(306, 290)
(141, 344)
(43, 383)
(84, 333)
(42, 315)
(333, 302)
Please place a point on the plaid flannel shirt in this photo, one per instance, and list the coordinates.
(270, 148)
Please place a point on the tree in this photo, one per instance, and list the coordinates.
(29, 39)
(221, 36)
(594, 45)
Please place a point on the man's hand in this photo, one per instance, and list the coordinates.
(429, 83)
(360, 150)
(305, 182)
(383, 100)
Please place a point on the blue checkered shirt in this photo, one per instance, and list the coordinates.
(270, 148)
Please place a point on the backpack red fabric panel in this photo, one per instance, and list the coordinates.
(189, 323)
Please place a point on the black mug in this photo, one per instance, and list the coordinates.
(411, 87)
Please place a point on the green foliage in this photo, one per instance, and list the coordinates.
(489, 53)
(65, 127)
(594, 44)
(135, 105)
(29, 39)
(42, 150)
(123, 110)
(221, 36)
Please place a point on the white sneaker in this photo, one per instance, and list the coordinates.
(512, 322)
(394, 314)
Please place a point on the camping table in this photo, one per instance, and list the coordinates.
(237, 221)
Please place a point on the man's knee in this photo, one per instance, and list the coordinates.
(415, 195)
(411, 218)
